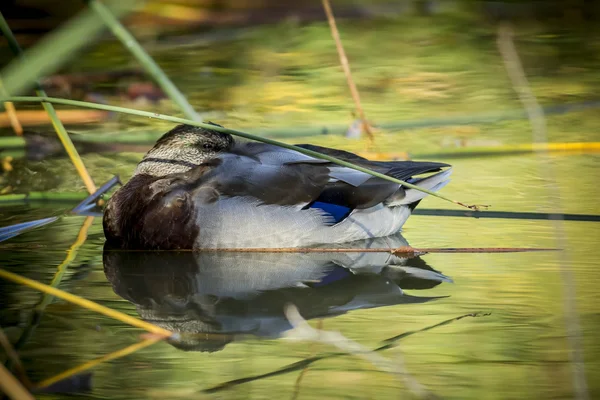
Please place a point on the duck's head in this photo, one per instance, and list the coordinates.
(183, 148)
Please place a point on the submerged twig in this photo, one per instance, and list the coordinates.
(91, 364)
(147, 62)
(299, 365)
(346, 68)
(303, 331)
(537, 120)
(240, 134)
(56, 122)
(391, 342)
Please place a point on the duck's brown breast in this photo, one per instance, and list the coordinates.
(147, 213)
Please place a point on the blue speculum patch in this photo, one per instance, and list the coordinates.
(337, 212)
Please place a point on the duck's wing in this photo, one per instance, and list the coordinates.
(296, 178)
(356, 189)
(237, 175)
(398, 169)
(274, 175)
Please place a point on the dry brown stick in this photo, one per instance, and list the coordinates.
(346, 67)
(400, 250)
(12, 355)
(408, 250)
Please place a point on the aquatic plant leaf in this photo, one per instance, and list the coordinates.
(14, 230)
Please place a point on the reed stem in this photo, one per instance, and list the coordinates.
(12, 387)
(12, 114)
(80, 301)
(236, 133)
(56, 48)
(56, 280)
(62, 268)
(147, 62)
(91, 364)
(56, 123)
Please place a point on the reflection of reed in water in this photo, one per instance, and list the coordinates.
(230, 294)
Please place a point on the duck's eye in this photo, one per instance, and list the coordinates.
(208, 146)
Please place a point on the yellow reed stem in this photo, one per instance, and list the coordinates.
(12, 113)
(80, 301)
(11, 386)
(91, 364)
(71, 254)
(12, 116)
(69, 146)
(56, 123)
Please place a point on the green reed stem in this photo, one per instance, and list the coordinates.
(67, 197)
(147, 62)
(12, 142)
(56, 123)
(25, 99)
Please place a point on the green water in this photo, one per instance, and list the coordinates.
(519, 350)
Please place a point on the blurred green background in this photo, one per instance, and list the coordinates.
(434, 86)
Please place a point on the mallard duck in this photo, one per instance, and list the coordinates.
(200, 188)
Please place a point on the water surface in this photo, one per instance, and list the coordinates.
(229, 308)
(519, 350)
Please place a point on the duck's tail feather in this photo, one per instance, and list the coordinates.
(411, 197)
(405, 170)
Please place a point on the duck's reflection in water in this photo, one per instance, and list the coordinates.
(236, 293)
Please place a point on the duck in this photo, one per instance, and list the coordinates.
(201, 188)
